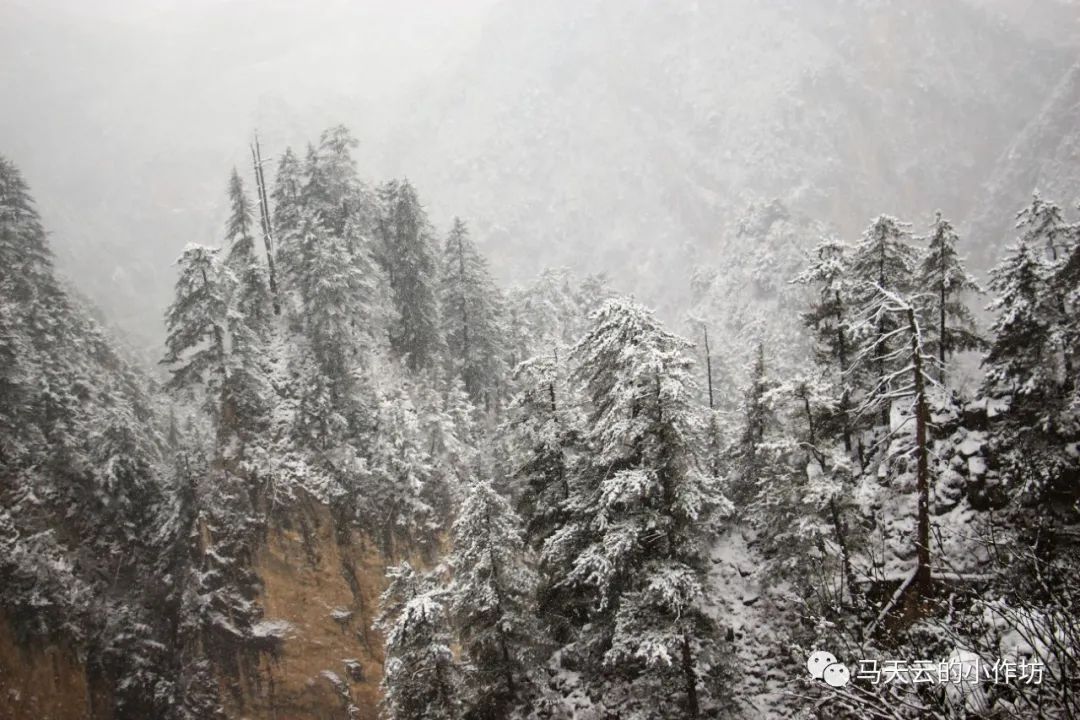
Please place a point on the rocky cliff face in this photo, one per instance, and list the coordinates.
(321, 584)
(320, 587)
(40, 681)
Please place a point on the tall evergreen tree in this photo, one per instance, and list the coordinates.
(1021, 360)
(1025, 369)
(829, 318)
(246, 396)
(944, 279)
(756, 462)
(421, 677)
(634, 547)
(492, 602)
(196, 322)
(472, 317)
(543, 427)
(405, 498)
(24, 253)
(884, 260)
(1042, 223)
(408, 258)
(288, 185)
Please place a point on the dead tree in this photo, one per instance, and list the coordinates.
(906, 376)
(264, 219)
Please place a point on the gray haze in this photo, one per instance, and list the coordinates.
(609, 135)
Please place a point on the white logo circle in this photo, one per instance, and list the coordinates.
(837, 675)
(818, 661)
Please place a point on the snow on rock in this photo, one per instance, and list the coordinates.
(271, 629)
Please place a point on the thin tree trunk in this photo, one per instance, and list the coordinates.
(264, 219)
(841, 349)
(922, 477)
(693, 708)
(838, 525)
(708, 364)
(464, 318)
(941, 317)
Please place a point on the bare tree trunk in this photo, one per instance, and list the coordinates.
(264, 219)
(922, 477)
(708, 364)
(841, 350)
(693, 708)
(464, 319)
(941, 317)
(838, 525)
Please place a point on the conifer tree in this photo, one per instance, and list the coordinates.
(829, 318)
(816, 492)
(1025, 369)
(472, 317)
(492, 603)
(884, 260)
(288, 184)
(249, 321)
(421, 677)
(196, 322)
(403, 496)
(633, 549)
(943, 279)
(1020, 362)
(408, 257)
(1042, 223)
(24, 253)
(756, 462)
(542, 428)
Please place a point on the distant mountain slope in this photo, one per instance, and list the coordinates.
(619, 135)
(1045, 156)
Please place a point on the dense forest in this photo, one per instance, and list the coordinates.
(542, 502)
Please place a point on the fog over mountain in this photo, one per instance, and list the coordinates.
(624, 137)
(561, 360)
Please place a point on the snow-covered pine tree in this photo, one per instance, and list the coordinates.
(884, 260)
(404, 499)
(943, 279)
(1042, 223)
(829, 319)
(196, 323)
(631, 556)
(24, 253)
(491, 598)
(756, 462)
(1020, 363)
(288, 185)
(812, 505)
(542, 428)
(1024, 369)
(407, 255)
(472, 318)
(26, 287)
(333, 185)
(246, 393)
(421, 677)
(327, 271)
